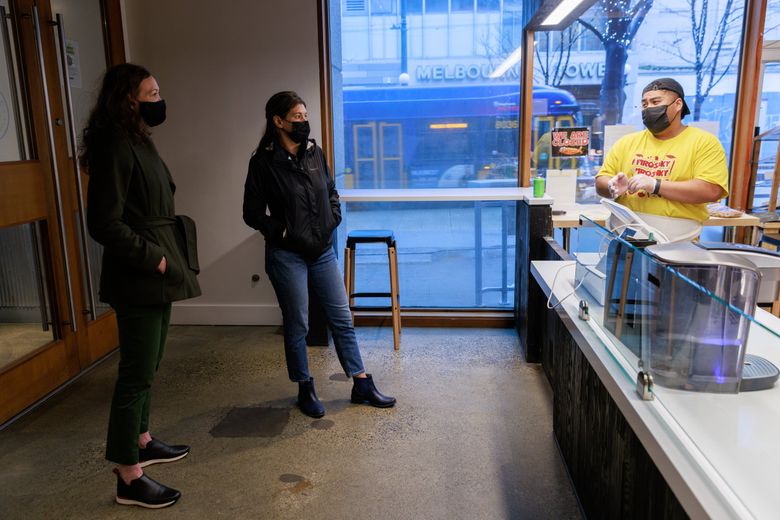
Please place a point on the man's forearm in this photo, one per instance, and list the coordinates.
(694, 191)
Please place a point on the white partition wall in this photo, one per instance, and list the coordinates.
(217, 63)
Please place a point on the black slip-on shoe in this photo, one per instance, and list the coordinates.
(145, 492)
(157, 452)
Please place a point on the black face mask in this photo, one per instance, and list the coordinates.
(655, 118)
(152, 112)
(300, 131)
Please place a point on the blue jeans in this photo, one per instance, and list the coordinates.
(290, 275)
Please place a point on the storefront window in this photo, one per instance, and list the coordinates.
(487, 5)
(605, 59)
(436, 6)
(440, 111)
(427, 92)
(427, 97)
(383, 6)
(462, 5)
(414, 6)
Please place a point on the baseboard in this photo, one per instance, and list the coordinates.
(225, 314)
(250, 314)
(451, 319)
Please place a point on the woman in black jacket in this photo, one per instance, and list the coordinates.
(146, 266)
(290, 197)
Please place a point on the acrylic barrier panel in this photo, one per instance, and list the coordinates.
(694, 327)
(678, 311)
(593, 247)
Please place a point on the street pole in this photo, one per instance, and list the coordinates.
(404, 65)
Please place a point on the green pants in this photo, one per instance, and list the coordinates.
(142, 332)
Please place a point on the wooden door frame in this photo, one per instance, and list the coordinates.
(326, 96)
(746, 101)
(113, 31)
(29, 195)
(36, 374)
(100, 337)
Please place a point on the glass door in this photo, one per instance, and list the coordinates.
(51, 327)
(82, 60)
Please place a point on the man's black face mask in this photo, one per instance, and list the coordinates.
(655, 118)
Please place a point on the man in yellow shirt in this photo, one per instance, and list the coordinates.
(670, 169)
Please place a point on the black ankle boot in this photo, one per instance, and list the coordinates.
(364, 391)
(307, 399)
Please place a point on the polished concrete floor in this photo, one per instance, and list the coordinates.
(470, 438)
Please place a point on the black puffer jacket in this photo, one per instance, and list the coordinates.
(300, 195)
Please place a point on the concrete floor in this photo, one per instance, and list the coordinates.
(470, 438)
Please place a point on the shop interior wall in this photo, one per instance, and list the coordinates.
(217, 64)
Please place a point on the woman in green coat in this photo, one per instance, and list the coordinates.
(148, 262)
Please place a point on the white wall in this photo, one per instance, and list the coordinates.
(217, 64)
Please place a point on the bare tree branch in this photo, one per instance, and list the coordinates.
(674, 50)
(592, 29)
(708, 50)
(725, 70)
(722, 29)
(638, 14)
(541, 64)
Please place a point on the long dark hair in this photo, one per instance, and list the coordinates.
(113, 114)
(280, 105)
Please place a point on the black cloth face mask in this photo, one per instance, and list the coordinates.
(152, 112)
(300, 131)
(655, 118)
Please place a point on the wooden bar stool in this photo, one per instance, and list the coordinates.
(375, 236)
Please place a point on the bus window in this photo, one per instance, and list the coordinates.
(391, 155)
(365, 155)
(443, 156)
(423, 137)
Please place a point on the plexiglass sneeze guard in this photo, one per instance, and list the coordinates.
(687, 326)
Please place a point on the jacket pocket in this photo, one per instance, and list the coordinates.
(173, 270)
(189, 234)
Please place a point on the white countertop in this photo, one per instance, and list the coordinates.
(598, 213)
(716, 451)
(443, 195)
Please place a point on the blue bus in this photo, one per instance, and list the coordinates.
(442, 137)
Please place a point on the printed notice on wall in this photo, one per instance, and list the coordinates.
(570, 142)
(74, 63)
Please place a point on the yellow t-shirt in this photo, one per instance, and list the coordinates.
(693, 154)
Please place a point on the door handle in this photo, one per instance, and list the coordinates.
(76, 165)
(55, 170)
